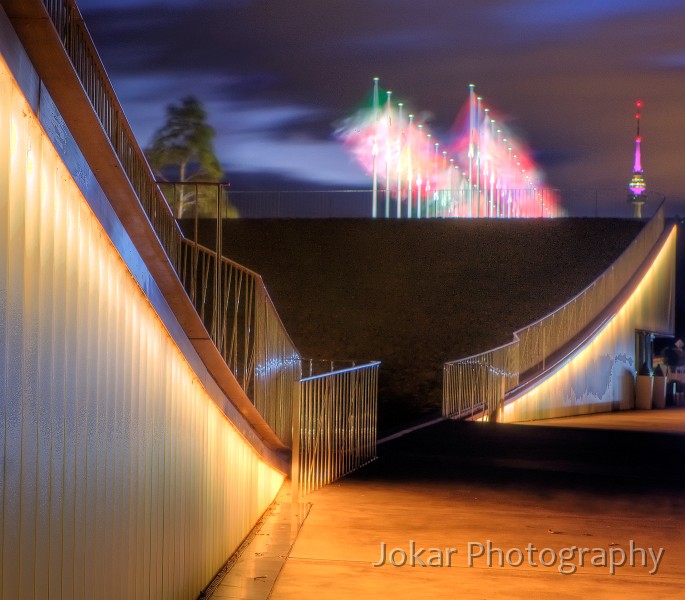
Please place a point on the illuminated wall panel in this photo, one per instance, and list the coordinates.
(600, 376)
(119, 477)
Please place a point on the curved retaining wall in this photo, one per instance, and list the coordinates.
(479, 385)
(598, 375)
(119, 476)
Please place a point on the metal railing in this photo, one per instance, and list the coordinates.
(358, 204)
(355, 203)
(236, 308)
(335, 415)
(547, 335)
(231, 300)
(480, 382)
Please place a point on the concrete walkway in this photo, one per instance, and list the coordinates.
(612, 484)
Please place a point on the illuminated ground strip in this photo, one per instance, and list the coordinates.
(599, 376)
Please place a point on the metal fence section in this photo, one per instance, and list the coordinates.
(480, 382)
(353, 203)
(547, 335)
(236, 308)
(188, 199)
(334, 424)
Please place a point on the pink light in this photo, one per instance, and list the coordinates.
(637, 166)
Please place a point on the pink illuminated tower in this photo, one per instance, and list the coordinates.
(637, 186)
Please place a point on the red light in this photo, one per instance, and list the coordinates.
(639, 104)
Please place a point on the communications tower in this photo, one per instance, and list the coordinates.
(637, 195)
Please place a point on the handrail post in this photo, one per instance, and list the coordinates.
(295, 461)
(217, 269)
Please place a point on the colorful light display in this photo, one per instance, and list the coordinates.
(484, 171)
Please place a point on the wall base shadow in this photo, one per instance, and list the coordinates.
(605, 461)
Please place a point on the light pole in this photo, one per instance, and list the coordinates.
(399, 159)
(388, 110)
(374, 150)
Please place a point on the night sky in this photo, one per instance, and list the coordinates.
(277, 76)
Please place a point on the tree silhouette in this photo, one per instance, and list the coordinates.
(182, 151)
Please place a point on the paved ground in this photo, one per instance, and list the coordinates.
(252, 571)
(533, 491)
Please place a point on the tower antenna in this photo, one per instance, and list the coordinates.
(638, 107)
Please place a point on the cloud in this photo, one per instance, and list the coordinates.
(283, 73)
(322, 162)
(671, 61)
(561, 12)
(252, 136)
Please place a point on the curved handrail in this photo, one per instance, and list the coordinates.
(246, 330)
(484, 378)
(334, 371)
(613, 277)
(85, 60)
